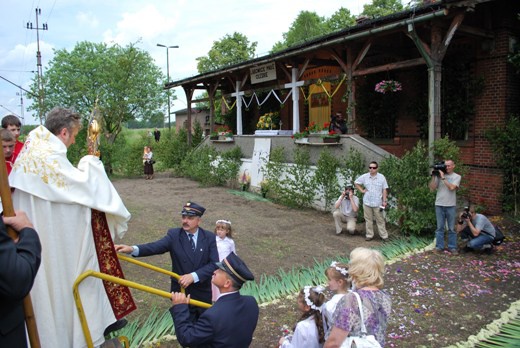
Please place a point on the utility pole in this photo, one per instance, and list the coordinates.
(21, 106)
(168, 77)
(39, 61)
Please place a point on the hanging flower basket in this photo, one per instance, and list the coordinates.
(388, 86)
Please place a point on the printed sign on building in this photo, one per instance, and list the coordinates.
(263, 73)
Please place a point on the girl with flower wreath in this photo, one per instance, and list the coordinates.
(337, 275)
(225, 246)
(308, 332)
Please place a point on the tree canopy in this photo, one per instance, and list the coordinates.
(308, 25)
(125, 80)
(380, 8)
(231, 49)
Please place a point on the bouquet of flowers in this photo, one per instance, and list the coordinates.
(388, 86)
(269, 120)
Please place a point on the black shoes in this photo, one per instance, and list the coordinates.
(118, 325)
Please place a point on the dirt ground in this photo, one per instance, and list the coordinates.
(437, 299)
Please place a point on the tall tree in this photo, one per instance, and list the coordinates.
(339, 20)
(307, 26)
(231, 49)
(125, 80)
(380, 8)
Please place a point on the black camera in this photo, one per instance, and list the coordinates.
(439, 167)
(347, 189)
(465, 215)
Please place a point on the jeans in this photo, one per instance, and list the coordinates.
(476, 243)
(445, 215)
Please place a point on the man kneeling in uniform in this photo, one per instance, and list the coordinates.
(232, 319)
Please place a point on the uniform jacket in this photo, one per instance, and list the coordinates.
(18, 266)
(229, 323)
(185, 261)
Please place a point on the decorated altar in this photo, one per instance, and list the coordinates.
(269, 132)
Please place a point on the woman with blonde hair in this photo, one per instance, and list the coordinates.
(366, 270)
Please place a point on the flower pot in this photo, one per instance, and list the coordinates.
(302, 141)
(331, 140)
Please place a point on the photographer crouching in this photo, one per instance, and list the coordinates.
(347, 207)
(476, 230)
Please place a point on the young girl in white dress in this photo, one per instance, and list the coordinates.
(337, 275)
(308, 332)
(225, 245)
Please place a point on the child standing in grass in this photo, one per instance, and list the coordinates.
(309, 332)
(225, 245)
(337, 275)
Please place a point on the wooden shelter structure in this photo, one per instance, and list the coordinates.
(414, 46)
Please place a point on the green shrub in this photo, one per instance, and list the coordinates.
(227, 170)
(273, 172)
(505, 142)
(300, 181)
(172, 149)
(326, 179)
(209, 167)
(197, 164)
(290, 185)
(411, 202)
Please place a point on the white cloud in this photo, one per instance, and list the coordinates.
(88, 19)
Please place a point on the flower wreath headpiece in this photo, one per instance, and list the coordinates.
(223, 222)
(306, 292)
(341, 270)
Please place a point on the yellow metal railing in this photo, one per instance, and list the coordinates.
(124, 282)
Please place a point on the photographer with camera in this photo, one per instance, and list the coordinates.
(346, 210)
(476, 230)
(446, 182)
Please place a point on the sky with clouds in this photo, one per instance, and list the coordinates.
(193, 25)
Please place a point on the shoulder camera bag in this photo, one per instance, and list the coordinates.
(364, 340)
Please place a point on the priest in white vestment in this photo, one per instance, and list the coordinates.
(59, 199)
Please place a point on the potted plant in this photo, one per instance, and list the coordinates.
(229, 135)
(331, 137)
(213, 136)
(264, 187)
(388, 86)
(301, 137)
(317, 129)
(224, 133)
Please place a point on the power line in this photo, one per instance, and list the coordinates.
(12, 112)
(18, 86)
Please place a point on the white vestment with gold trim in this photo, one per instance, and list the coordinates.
(58, 199)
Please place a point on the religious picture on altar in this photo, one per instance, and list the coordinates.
(319, 100)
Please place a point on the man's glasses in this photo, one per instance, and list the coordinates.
(372, 167)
